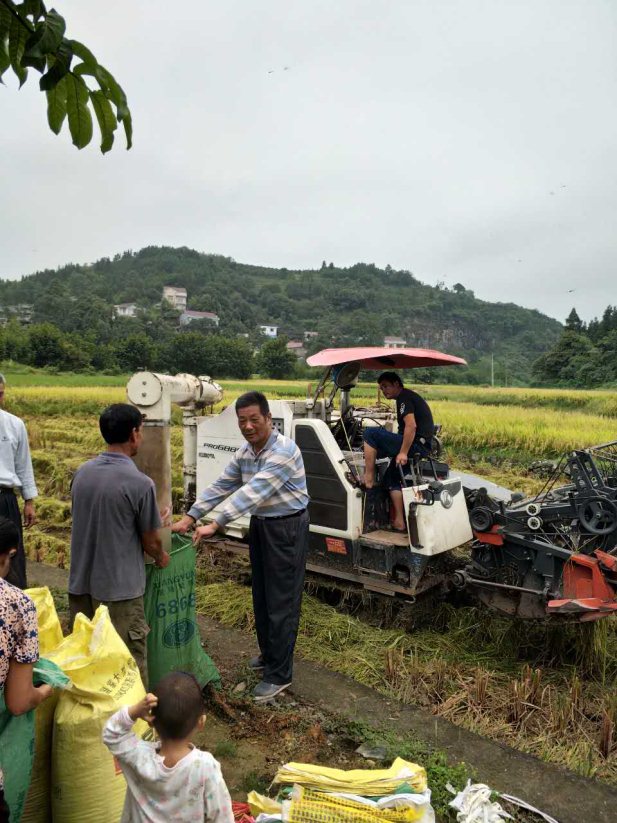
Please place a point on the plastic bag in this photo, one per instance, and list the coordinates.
(50, 630)
(17, 742)
(169, 602)
(86, 783)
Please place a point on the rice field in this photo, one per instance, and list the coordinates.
(547, 691)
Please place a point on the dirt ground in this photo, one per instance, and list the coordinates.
(325, 716)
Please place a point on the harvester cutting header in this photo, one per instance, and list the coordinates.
(554, 554)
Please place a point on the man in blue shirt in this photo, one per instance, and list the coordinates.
(16, 473)
(266, 479)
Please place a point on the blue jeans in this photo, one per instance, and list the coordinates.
(388, 444)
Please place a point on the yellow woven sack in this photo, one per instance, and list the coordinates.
(366, 782)
(86, 783)
(37, 808)
(50, 630)
(309, 806)
(259, 803)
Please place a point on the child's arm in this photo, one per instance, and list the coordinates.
(217, 802)
(118, 735)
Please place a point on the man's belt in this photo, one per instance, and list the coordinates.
(7, 490)
(280, 516)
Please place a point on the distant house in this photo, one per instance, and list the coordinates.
(125, 309)
(308, 335)
(269, 331)
(189, 316)
(21, 312)
(298, 348)
(394, 343)
(176, 296)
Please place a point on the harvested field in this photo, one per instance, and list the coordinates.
(545, 690)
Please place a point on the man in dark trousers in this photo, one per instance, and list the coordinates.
(115, 520)
(15, 473)
(265, 478)
(415, 432)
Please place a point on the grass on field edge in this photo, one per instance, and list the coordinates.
(471, 671)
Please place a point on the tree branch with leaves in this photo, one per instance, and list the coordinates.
(32, 37)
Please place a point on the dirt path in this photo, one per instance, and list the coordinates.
(569, 798)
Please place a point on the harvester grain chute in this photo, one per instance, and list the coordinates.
(551, 555)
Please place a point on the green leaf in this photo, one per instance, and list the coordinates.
(127, 122)
(56, 106)
(80, 119)
(5, 62)
(18, 35)
(5, 25)
(113, 91)
(59, 64)
(106, 119)
(33, 8)
(84, 54)
(47, 36)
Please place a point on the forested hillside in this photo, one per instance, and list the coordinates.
(345, 306)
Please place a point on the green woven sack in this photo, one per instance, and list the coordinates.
(17, 741)
(174, 643)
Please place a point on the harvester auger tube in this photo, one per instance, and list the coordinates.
(153, 394)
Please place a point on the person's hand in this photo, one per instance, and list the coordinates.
(401, 459)
(143, 709)
(45, 691)
(29, 514)
(183, 525)
(163, 561)
(165, 515)
(203, 532)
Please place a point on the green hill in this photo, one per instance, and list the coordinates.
(346, 306)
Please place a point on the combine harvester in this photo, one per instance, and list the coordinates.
(554, 554)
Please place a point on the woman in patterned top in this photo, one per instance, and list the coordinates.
(19, 642)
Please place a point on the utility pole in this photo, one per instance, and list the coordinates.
(492, 370)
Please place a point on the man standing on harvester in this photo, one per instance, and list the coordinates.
(115, 520)
(266, 479)
(415, 431)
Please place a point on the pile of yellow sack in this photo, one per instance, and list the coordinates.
(319, 794)
(74, 776)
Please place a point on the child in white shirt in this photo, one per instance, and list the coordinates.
(171, 780)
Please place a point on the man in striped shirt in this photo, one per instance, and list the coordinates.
(265, 478)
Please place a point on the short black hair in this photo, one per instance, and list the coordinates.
(118, 422)
(391, 377)
(253, 398)
(9, 535)
(180, 705)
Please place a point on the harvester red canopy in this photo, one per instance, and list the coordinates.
(377, 357)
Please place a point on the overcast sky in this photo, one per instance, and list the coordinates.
(469, 141)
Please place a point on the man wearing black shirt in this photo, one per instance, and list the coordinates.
(415, 430)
